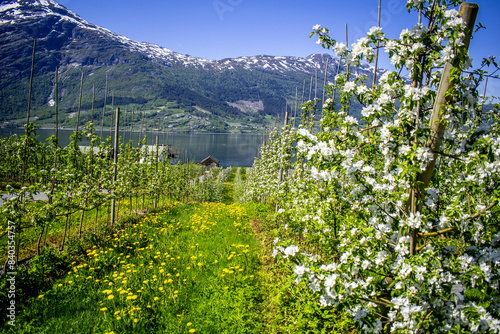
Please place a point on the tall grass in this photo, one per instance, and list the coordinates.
(191, 268)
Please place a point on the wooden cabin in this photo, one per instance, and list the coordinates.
(210, 162)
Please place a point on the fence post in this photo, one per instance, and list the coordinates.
(156, 170)
(115, 164)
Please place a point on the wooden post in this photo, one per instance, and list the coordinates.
(26, 150)
(93, 101)
(115, 163)
(468, 12)
(56, 152)
(336, 73)
(131, 125)
(324, 82)
(31, 84)
(187, 181)
(296, 102)
(156, 169)
(311, 88)
(142, 125)
(347, 45)
(347, 68)
(377, 53)
(104, 105)
(316, 85)
(124, 123)
(112, 108)
(57, 106)
(303, 91)
(79, 106)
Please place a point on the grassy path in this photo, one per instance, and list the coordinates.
(192, 268)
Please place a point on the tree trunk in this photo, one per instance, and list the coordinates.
(40, 240)
(65, 231)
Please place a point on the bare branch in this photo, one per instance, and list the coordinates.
(382, 302)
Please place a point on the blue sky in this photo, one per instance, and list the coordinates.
(217, 29)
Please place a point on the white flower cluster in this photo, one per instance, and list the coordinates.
(354, 193)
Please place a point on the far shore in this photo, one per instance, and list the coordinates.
(138, 131)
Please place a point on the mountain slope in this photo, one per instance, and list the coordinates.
(140, 75)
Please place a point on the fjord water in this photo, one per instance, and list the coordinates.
(230, 148)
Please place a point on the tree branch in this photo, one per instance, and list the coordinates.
(371, 127)
(448, 155)
(446, 230)
(434, 234)
(489, 207)
(382, 302)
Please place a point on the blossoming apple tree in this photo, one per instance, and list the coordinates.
(394, 217)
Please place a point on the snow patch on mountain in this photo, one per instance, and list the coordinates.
(7, 6)
(14, 10)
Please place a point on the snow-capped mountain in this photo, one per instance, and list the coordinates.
(50, 22)
(139, 72)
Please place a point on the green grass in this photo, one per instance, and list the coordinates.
(191, 268)
(53, 236)
(186, 268)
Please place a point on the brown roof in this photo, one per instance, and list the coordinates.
(210, 159)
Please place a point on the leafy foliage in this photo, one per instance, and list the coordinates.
(394, 218)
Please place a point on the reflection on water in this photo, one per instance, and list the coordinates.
(230, 149)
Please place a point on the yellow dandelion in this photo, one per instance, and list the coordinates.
(104, 309)
(192, 330)
(111, 297)
(41, 296)
(188, 324)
